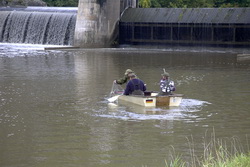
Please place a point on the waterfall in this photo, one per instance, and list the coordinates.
(36, 27)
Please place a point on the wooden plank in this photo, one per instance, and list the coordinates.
(162, 100)
(170, 100)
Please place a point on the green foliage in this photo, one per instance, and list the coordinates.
(178, 4)
(145, 3)
(177, 162)
(155, 4)
(62, 3)
(217, 153)
(161, 3)
(241, 160)
(193, 3)
(200, 3)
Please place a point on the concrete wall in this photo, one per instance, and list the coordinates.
(97, 22)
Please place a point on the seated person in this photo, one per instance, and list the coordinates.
(166, 85)
(135, 86)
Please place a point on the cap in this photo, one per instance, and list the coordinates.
(165, 74)
(128, 71)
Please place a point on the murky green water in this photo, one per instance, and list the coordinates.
(54, 110)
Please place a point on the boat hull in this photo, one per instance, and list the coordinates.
(170, 100)
(153, 101)
(139, 100)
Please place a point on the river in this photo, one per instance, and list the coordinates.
(54, 110)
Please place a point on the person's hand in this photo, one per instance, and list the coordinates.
(171, 83)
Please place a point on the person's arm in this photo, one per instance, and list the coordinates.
(122, 80)
(144, 87)
(171, 86)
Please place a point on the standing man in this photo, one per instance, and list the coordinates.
(135, 86)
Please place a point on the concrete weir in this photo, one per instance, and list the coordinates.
(97, 22)
(37, 25)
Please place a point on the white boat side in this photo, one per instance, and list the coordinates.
(175, 100)
(147, 101)
(170, 100)
(152, 101)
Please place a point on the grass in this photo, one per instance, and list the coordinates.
(239, 160)
(216, 153)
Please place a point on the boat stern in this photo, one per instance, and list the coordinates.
(170, 100)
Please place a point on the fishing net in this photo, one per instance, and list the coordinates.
(116, 90)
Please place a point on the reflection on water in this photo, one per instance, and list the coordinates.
(54, 109)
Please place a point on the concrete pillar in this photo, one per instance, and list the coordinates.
(96, 23)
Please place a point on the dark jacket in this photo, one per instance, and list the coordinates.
(135, 86)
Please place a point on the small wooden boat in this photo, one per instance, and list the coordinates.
(153, 99)
(149, 99)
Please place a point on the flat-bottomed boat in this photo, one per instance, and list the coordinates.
(153, 100)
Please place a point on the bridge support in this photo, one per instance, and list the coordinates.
(96, 24)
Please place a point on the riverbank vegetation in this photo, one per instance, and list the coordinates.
(142, 3)
(241, 160)
(193, 3)
(167, 3)
(216, 153)
(62, 3)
